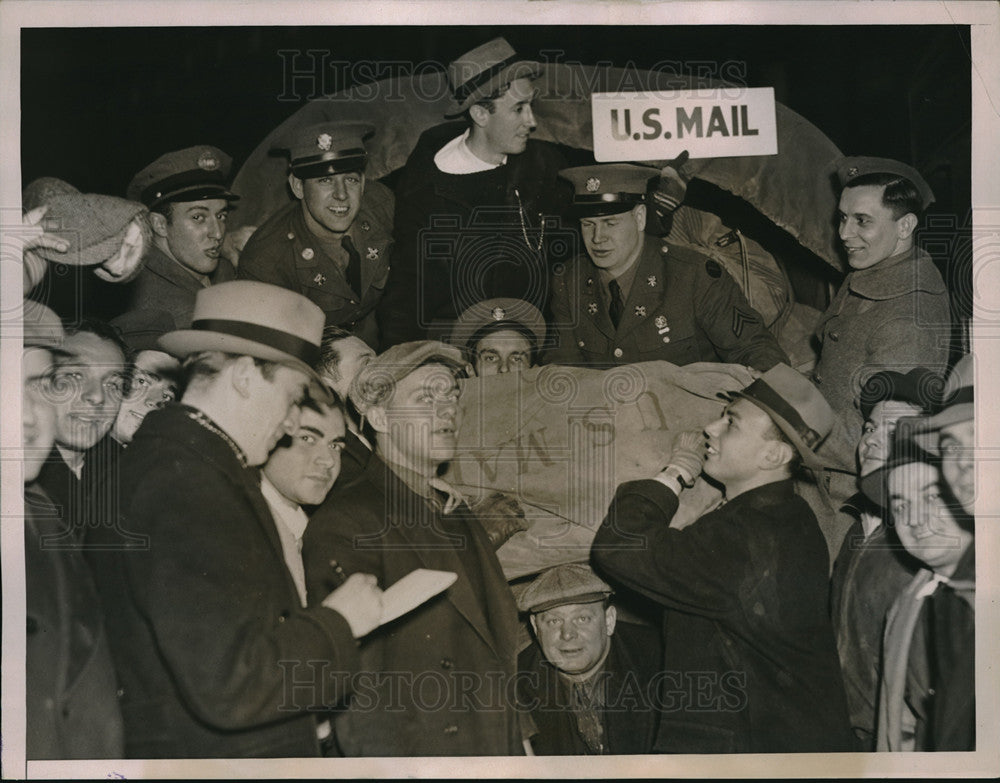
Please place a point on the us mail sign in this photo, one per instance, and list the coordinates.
(706, 123)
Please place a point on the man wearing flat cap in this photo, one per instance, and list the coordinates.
(744, 588)
(332, 244)
(588, 680)
(500, 335)
(891, 312)
(635, 298)
(399, 516)
(207, 628)
(478, 202)
(187, 194)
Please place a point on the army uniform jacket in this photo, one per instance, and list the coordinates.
(163, 284)
(439, 680)
(284, 252)
(892, 316)
(682, 308)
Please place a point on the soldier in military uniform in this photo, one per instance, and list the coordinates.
(333, 244)
(188, 198)
(892, 310)
(638, 298)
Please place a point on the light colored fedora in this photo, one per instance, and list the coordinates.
(256, 319)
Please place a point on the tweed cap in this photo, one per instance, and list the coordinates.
(377, 380)
(492, 315)
(608, 188)
(190, 174)
(857, 166)
(572, 583)
(484, 70)
(251, 318)
(42, 190)
(919, 386)
(796, 407)
(327, 148)
(94, 226)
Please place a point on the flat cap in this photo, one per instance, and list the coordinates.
(572, 583)
(851, 168)
(492, 315)
(42, 190)
(919, 386)
(379, 377)
(190, 174)
(608, 188)
(94, 225)
(327, 148)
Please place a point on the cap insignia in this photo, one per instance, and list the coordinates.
(324, 141)
(208, 161)
(498, 313)
(593, 184)
(852, 171)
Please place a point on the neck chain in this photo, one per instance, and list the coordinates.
(200, 418)
(524, 227)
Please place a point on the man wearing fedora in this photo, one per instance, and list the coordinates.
(332, 244)
(208, 633)
(927, 693)
(187, 194)
(892, 311)
(635, 298)
(588, 680)
(435, 680)
(949, 437)
(744, 588)
(464, 185)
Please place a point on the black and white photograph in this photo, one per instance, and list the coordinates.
(543, 388)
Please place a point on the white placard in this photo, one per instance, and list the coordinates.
(716, 123)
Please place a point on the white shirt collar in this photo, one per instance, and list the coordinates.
(455, 157)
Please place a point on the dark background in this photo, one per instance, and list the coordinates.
(98, 104)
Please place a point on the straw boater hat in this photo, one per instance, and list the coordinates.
(492, 315)
(957, 406)
(796, 407)
(480, 73)
(255, 319)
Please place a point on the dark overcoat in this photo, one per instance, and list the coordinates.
(631, 700)
(72, 704)
(438, 681)
(462, 238)
(747, 635)
(206, 626)
(682, 308)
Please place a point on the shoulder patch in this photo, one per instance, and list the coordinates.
(713, 268)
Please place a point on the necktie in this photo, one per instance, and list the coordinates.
(617, 303)
(353, 273)
(588, 722)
